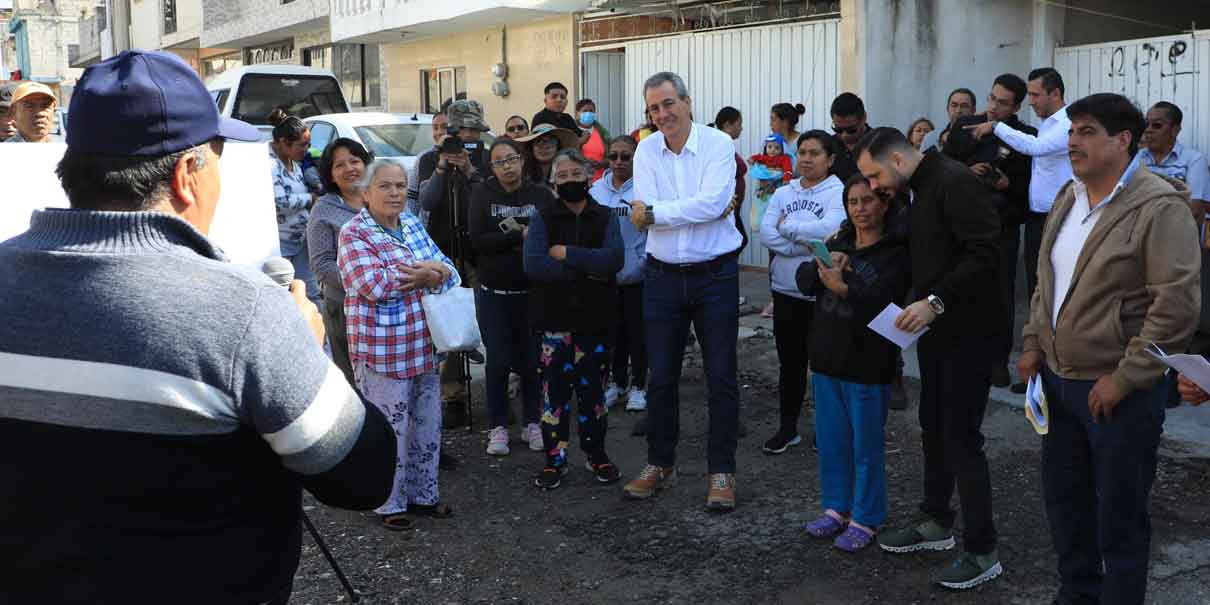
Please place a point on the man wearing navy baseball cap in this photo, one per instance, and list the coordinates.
(160, 408)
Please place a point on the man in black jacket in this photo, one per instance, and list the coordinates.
(446, 196)
(953, 243)
(1006, 174)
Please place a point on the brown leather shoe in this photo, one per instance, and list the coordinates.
(722, 492)
(650, 480)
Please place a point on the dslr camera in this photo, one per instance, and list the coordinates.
(473, 149)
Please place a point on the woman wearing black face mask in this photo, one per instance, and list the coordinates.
(573, 252)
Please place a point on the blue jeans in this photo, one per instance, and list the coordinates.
(296, 253)
(511, 345)
(1096, 482)
(849, 421)
(709, 298)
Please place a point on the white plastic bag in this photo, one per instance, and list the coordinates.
(451, 319)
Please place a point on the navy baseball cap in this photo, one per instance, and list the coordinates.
(146, 103)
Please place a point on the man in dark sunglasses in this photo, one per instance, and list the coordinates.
(849, 123)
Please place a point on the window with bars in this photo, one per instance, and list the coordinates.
(355, 67)
(442, 85)
(169, 17)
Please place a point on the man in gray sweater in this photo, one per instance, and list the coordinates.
(161, 409)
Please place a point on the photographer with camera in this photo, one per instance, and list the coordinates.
(1006, 173)
(461, 163)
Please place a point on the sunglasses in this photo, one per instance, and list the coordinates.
(849, 130)
(619, 157)
(516, 128)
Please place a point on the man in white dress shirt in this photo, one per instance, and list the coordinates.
(1051, 168)
(684, 176)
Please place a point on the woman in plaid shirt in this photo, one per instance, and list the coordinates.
(387, 263)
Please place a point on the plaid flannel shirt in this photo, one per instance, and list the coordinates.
(386, 325)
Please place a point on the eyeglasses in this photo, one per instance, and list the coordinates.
(619, 157)
(511, 160)
(517, 128)
(849, 130)
(546, 142)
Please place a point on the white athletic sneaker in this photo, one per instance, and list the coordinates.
(497, 441)
(612, 394)
(638, 400)
(533, 434)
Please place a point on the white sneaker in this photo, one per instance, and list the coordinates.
(638, 400)
(612, 394)
(497, 441)
(533, 434)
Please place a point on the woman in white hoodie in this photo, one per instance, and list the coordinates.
(809, 208)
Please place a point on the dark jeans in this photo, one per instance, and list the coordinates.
(1010, 246)
(709, 298)
(334, 324)
(573, 363)
(511, 345)
(954, 383)
(791, 326)
(629, 345)
(1034, 222)
(1096, 481)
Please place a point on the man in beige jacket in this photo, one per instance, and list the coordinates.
(1117, 270)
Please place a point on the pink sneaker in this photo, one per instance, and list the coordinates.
(497, 441)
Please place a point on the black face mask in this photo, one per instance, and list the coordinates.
(573, 191)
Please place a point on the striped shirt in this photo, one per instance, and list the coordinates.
(159, 410)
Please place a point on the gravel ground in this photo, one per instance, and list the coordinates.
(511, 543)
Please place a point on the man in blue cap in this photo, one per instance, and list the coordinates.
(160, 408)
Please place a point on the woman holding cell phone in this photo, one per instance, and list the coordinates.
(853, 365)
(809, 208)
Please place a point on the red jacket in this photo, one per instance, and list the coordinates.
(781, 162)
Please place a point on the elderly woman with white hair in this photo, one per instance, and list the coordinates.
(387, 263)
(572, 254)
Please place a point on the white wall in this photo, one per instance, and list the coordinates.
(144, 24)
(917, 51)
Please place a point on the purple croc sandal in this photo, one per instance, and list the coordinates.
(825, 526)
(854, 539)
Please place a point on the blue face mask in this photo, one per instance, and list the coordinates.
(587, 118)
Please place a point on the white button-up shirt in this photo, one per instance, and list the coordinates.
(1073, 233)
(1051, 166)
(689, 192)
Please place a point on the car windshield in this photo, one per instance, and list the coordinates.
(399, 140)
(302, 96)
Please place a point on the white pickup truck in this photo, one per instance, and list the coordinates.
(251, 93)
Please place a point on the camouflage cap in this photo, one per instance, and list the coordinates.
(466, 114)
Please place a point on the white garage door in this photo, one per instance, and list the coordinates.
(1146, 71)
(750, 69)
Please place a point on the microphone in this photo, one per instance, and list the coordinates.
(280, 270)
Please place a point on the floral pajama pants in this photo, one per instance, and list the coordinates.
(413, 406)
(573, 364)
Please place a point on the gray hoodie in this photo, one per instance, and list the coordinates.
(633, 241)
(323, 232)
(810, 214)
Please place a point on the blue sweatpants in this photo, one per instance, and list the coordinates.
(849, 421)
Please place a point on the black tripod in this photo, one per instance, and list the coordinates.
(458, 252)
(323, 547)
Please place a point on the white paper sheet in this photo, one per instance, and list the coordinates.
(884, 325)
(1035, 403)
(1193, 367)
(245, 221)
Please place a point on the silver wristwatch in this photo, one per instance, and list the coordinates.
(936, 305)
